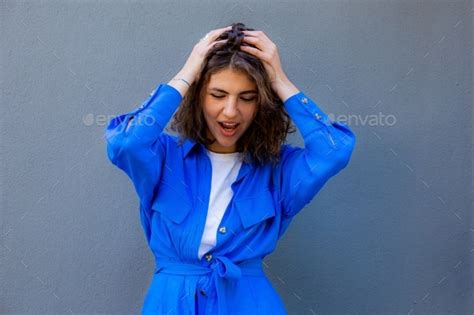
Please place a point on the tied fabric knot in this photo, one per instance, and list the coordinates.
(222, 271)
(221, 268)
(226, 268)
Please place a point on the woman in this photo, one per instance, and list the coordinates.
(215, 199)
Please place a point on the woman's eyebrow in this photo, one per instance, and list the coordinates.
(223, 91)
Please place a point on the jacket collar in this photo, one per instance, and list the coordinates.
(190, 145)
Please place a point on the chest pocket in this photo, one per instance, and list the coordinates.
(256, 208)
(172, 201)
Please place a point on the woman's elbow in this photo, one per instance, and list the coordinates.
(114, 148)
(117, 143)
(344, 154)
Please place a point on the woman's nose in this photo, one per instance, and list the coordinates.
(230, 108)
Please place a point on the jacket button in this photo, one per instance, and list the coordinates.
(318, 117)
(304, 100)
(222, 230)
(208, 257)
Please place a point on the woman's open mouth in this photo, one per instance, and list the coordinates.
(228, 130)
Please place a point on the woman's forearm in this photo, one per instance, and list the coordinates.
(284, 88)
(179, 84)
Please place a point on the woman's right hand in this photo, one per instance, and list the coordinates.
(193, 64)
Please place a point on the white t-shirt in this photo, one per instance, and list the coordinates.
(225, 168)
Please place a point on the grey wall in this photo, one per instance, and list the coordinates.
(392, 234)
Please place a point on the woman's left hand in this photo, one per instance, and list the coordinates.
(267, 52)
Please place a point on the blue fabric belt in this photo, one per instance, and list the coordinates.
(220, 269)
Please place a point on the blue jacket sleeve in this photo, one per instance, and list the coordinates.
(328, 148)
(135, 141)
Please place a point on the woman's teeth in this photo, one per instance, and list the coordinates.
(228, 126)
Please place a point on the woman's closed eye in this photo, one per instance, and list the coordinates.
(243, 98)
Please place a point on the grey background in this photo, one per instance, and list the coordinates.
(391, 234)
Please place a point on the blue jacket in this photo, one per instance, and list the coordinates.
(173, 186)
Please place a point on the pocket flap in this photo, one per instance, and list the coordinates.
(171, 202)
(255, 208)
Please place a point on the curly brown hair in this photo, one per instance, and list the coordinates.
(262, 141)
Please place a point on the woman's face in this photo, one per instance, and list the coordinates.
(230, 96)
